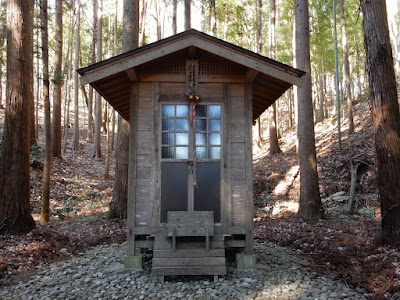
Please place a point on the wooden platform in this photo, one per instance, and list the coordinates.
(190, 256)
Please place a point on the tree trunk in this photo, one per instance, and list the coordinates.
(257, 135)
(386, 115)
(15, 211)
(258, 138)
(142, 33)
(310, 201)
(93, 60)
(97, 107)
(188, 25)
(3, 30)
(45, 210)
(115, 53)
(112, 129)
(259, 28)
(1, 81)
(347, 69)
(57, 84)
(33, 110)
(107, 167)
(273, 134)
(213, 25)
(326, 107)
(67, 103)
(157, 16)
(37, 79)
(56, 125)
(321, 114)
(174, 13)
(75, 142)
(118, 205)
(290, 104)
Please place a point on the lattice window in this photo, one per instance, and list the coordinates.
(165, 65)
(209, 64)
(214, 65)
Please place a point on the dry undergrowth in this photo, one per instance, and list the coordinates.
(341, 244)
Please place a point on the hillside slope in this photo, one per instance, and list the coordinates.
(345, 244)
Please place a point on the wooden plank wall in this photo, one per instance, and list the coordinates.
(238, 154)
(234, 171)
(144, 168)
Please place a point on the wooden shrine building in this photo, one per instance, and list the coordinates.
(191, 100)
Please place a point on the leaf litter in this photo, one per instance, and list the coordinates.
(343, 244)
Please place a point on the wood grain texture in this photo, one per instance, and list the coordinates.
(190, 223)
(131, 210)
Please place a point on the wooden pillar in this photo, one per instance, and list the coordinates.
(131, 261)
(156, 162)
(226, 188)
(248, 94)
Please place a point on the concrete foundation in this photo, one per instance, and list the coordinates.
(245, 262)
(133, 262)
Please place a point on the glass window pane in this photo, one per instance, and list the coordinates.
(201, 139)
(168, 124)
(182, 124)
(167, 152)
(201, 111)
(182, 152)
(201, 152)
(214, 125)
(215, 152)
(214, 111)
(168, 110)
(214, 139)
(182, 111)
(201, 125)
(167, 138)
(182, 138)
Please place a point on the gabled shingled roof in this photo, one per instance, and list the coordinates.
(112, 77)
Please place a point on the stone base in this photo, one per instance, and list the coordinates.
(245, 262)
(133, 262)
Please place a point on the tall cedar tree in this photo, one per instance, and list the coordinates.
(273, 134)
(213, 19)
(174, 13)
(258, 137)
(45, 211)
(75, 142)
(97, 106)
(3, 32)
(130, 37)
(386, 115)
(310, 200)
(56, 124)
(90, 127)
(188, 24)
(15, 211)
(347, 69)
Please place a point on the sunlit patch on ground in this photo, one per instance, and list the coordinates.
(284, 185)
(281, 207)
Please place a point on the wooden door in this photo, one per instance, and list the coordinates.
(191, 159)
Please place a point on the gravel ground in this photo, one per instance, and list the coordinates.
(98, 274)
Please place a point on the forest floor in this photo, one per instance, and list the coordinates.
(346, 245)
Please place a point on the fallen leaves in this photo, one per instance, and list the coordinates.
(343, 244)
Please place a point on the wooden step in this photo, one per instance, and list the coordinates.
(189, 253)
(188, 262)
(192, 270)
(164, 238)
(188, 245)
